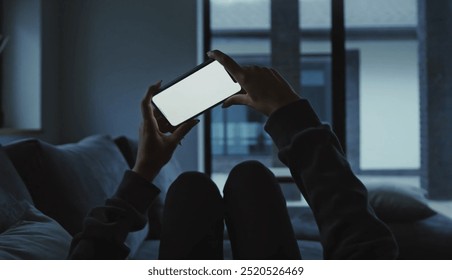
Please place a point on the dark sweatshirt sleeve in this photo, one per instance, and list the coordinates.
(106, 227)
(349, 228)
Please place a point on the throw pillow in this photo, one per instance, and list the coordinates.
(34, 237)
(12, 190)
(399, 203)
(67, 181)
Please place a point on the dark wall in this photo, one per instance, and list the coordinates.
(98, 58)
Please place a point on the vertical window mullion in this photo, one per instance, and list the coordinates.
(207, 115)
(285, 46)
(338, 70)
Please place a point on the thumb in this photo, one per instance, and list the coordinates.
(183, 130)
(238, 99)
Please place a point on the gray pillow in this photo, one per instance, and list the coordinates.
(12, 191)
(399, 203)
(34, 236)
(67, 181)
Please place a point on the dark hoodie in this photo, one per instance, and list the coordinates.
(349, 228)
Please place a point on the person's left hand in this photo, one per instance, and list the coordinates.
(263, 89)
(155, 147)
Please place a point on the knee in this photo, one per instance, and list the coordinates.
(251, 168)
(248, 176)
(194, 184)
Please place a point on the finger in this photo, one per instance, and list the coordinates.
(183, 130)
(158, 114)
(146, 107)
(278, 76)
(165, 126)
(282, 80)
(238, 99)
(229, 64)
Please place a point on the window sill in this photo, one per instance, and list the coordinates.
(18, 131)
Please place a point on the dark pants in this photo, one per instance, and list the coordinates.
(252, 206)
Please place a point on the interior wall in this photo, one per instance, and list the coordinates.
(50, 50)
(111, 52)
(97, 59)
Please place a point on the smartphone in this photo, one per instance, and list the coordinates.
(202, 88)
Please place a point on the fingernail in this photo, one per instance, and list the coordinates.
(157, 84)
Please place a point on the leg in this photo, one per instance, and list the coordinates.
(258, 223)
(192, 226)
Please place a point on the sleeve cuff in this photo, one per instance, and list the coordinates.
(136, 191)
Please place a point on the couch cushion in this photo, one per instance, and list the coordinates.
(12, 192)
(128, 148)
(426, 239)
(399, 203)
(67, 181)
(310, 250)
(34, 236)
(303, 223)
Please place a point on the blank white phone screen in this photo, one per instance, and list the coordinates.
(195, 93)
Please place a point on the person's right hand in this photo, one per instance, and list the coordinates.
(156, 144)
(262, 88)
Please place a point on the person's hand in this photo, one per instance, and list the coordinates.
(262, 88)
(156, 146)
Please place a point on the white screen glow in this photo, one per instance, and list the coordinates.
(195, 93)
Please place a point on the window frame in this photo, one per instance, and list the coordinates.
(341, 65)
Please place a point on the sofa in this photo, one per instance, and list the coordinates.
(46, 190)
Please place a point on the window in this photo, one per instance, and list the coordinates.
(384, 35)
(385, 107)
(245, 30)
(21, 66)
